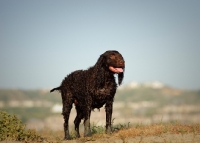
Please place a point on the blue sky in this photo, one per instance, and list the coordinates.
(43, 41)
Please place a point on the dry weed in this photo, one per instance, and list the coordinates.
(158, 129)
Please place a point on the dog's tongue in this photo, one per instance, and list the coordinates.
(119, 69)
(116, 70)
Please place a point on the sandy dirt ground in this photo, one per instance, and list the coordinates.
(165, 138)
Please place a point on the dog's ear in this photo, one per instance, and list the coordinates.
(101, 60)
(121, 77)
(100, 71)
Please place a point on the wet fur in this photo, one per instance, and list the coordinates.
(89, 89)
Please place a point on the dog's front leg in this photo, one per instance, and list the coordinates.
(88, 103)
(109, 108)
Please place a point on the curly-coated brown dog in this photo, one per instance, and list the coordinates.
(92, 88)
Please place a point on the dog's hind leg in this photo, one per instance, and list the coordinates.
(87, 131)
(67, 106)
(77, 120)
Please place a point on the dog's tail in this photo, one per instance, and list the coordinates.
(57, 88)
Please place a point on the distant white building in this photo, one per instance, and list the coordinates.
(154, 84)
(157, 84)
(142, 104)
(57, 108)
(28, 103)
(14, 103)
(133, 84)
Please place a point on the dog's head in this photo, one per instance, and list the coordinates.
(114, 62)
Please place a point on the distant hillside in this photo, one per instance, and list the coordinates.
(28, 104)
(133, 92)
(156, 92)
(7, 95)
(147, 102)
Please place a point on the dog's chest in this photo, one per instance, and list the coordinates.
(102, 96)
(98, 103)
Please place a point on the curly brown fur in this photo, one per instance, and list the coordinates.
(91, 88)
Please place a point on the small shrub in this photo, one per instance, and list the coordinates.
(11, 128)
(97, 129)
(120, 126)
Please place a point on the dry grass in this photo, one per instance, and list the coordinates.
(52, 136)
(158, 129)
(138, 130)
